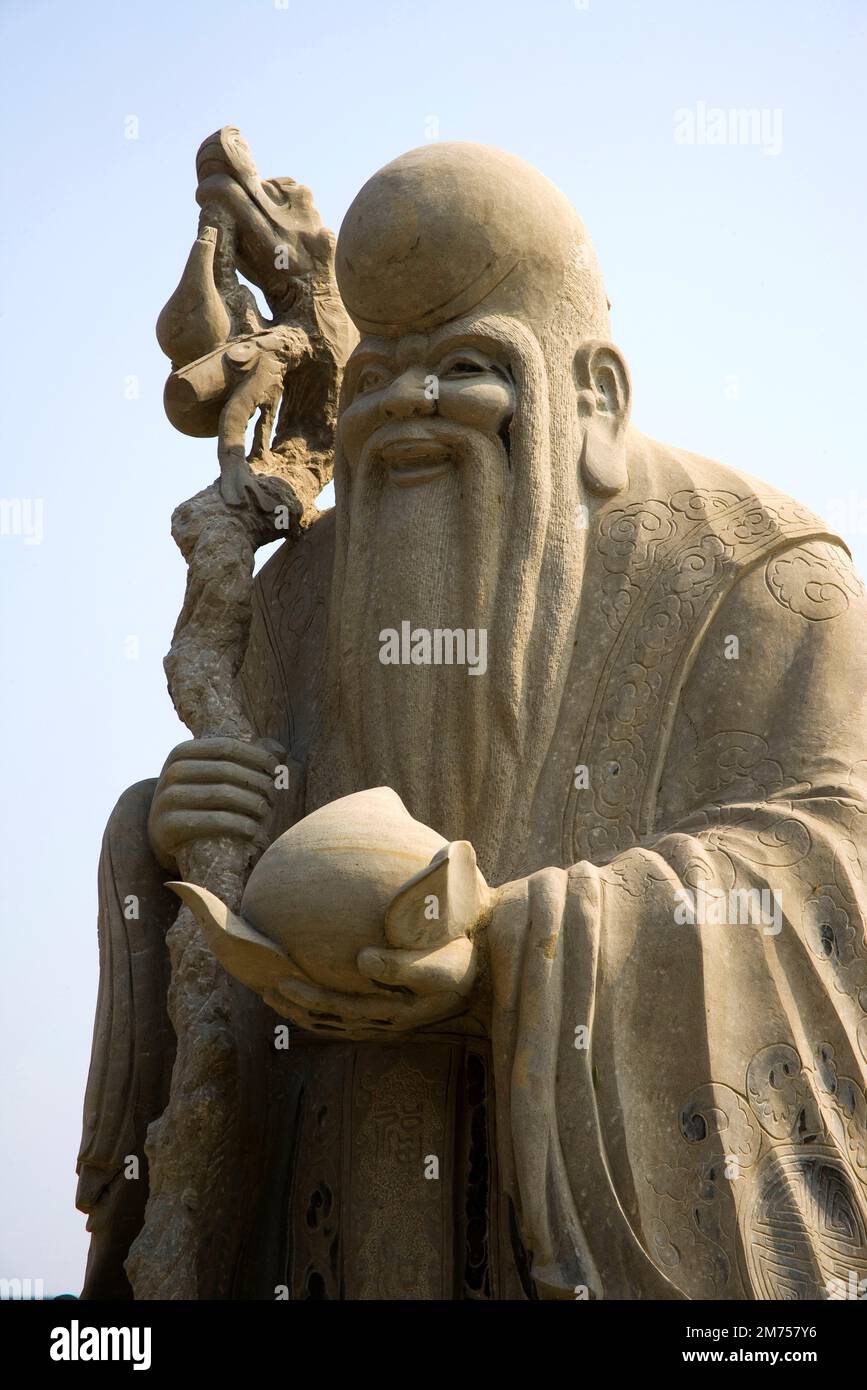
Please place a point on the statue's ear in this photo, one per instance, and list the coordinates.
(604, 399)
(442, 901)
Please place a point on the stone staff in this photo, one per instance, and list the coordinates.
(241, 363)
(192, 1148)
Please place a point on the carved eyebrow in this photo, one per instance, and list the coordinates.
(461, 343)
(363, 356)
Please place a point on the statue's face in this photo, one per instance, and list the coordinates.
(453, 514)
(416, 403)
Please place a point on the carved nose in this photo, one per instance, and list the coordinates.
(406, 397)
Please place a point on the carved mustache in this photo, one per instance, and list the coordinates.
(431, 437)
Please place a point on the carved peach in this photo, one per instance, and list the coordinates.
(320, 893)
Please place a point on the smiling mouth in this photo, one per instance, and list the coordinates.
(416, 460)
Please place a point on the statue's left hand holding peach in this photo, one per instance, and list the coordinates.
(357, 921)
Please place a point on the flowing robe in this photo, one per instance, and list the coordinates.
(680, 1105)
(664, 1109)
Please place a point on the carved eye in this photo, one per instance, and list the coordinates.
(464, 366)
(371, 379)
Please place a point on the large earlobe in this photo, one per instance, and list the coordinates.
(604, 402)
(441, 902)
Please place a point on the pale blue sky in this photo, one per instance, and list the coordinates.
(735, 274)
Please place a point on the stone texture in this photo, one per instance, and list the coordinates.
(634, 1038)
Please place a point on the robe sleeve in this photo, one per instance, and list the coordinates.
(680, 1031)
(133, 1042)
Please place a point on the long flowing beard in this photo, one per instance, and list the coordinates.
(492, 545)
(418, 555)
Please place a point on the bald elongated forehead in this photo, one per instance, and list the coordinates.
(452, 227)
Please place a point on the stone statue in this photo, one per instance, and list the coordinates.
(553, 980)
(228, 361)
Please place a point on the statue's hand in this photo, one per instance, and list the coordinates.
(426, 973)
(213, 787)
